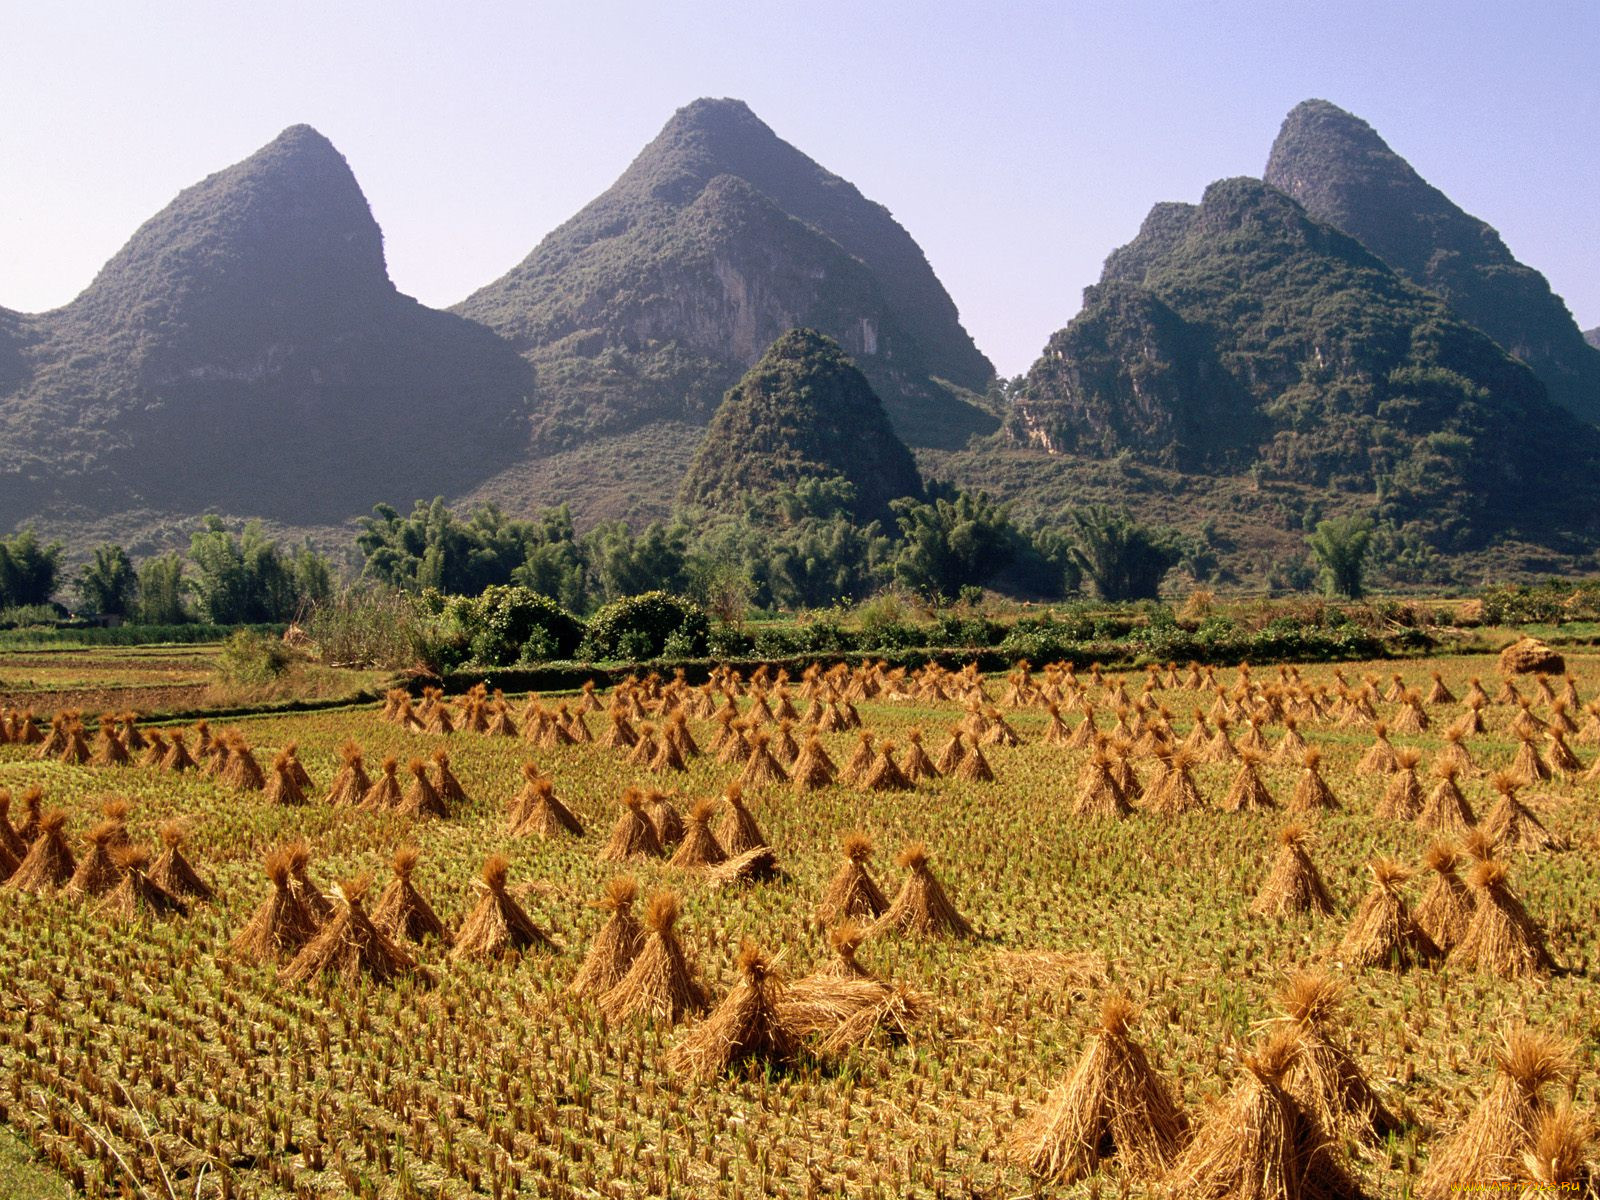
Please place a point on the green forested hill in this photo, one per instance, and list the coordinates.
(1243, 334)
(802, 412)
(1338, 167)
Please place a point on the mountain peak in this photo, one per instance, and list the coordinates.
(287, 228)
(1345, 174)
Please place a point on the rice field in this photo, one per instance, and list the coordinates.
(144, 1056)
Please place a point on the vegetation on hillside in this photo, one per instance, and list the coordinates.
(1337, 166)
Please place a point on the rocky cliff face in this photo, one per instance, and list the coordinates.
(802, 412)
(1343, 173)
(1242, 330)
(653, 300)
(246, 351)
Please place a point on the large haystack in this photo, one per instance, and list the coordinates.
(1492, 1145)
(1383, 933)
(660, 984)
(1294, 884)
(351, 947)
(1113, 1103)
(1260, 1144)
(616, 945)
(1527, 655)
(748, 1026)
(497, 925)
(282, 924)
(922, 908)
(401, 911)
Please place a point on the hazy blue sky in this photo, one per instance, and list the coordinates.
(1019, 143)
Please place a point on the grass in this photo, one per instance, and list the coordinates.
(21, 1175)
(494, 1082)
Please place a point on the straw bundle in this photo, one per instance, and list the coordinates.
(497, 926)
(616, 945)
(282, 787)
(1402, 798)
(1382, 933)
(385, 791)
(813, 768)
(1098, 793)
(659, 984)
(973, 767)
(401, 911)
(921, 908)
(1379, 758)
(852, 892)
(1311, 790)
(1248, 791)
(49, 863)
(699, 847)
(1491, 1145)
(109, 750)
(1294, 884)
(747, 1026)
(664, 817)
(136, 894)
(737, 831)
(96, 874)
(1113, 1103)
(1259, 1143)
(632, 837)
(177, 757)
(1323, 1077)
(1446, 810)
(761, 767)
(1501, 938)
(350, 946)
(421, 798)
(1510, 825)
(1445, 909)
(448, 786)
(282, 924)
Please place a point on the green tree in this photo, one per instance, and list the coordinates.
(27, 570)
(161, 590)
(952, 542)
(246, 579)
(1125, 559)
(626, 564)
(107, 584)
(1341, 545)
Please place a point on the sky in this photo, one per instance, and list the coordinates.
(1019, 143)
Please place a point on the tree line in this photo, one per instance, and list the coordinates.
(794, 548)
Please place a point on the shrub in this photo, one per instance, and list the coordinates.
(372, 627)
(636, 628)
(509, 624)
(252, 658)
